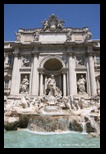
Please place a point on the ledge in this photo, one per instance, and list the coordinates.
(81, 68)
(25, 69)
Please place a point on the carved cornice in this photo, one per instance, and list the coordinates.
(44, 71)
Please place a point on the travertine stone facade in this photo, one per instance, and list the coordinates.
(67, 53)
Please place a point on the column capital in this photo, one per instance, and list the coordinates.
(35, 54)
(90, 51)
(92, 73)
(70, 51)
(16, 52)
(41, 70)
(64, 70)
(35, 51)
(92, 54)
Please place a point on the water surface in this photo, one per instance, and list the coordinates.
(28, 139)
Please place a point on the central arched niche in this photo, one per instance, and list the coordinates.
(53, 64)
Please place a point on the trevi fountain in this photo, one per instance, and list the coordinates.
(54, 113)
(52, 87)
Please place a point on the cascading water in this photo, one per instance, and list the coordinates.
(49, 123)
(94, 124)
(83, 124)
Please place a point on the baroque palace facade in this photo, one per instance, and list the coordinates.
(67, 53)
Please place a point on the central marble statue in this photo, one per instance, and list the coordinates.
(52, 89)
(51, 86)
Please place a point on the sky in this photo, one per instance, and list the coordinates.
(29, 16)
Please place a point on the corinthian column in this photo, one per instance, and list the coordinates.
(64, 84)
(41, 84)
(91, 71)
(35, 73)
(71, 81)
(15, 73)
(6, 59)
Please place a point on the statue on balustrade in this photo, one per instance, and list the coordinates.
(45, 24)
(36, 36)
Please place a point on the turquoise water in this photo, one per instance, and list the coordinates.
(28, 139)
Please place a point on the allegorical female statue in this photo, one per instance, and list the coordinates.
(81, 85)
(24, 85)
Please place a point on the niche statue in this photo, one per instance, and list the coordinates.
(81, 85)
(24, 85)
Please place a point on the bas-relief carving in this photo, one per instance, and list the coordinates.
(80, 61)
(26, 62)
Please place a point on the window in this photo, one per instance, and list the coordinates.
(97, 60)
(9, 60)
(6, 83)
